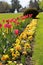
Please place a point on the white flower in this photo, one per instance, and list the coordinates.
(7, 41)
(3, 33)
(4, 50)
(24, 41)
(20, 64)
(15, 62)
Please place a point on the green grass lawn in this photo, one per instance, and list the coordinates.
(9, 15)
(38, 47)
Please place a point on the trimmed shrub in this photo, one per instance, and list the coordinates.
(31, 11)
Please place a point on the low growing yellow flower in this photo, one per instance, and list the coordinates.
(17, 41)
(24, 36)
(14, 55)
(30, 38)
(27, 45)
(4, 57)
(17, 47)
(9, 62)
(30, 33)
(24, 53)
(12, 50)
(30, 27)
(17, 53)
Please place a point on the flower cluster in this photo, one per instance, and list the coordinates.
(22, 45)
(16, 35)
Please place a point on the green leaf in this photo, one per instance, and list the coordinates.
(23, 59)
(12, 64)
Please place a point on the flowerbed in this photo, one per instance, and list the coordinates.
(16, 36)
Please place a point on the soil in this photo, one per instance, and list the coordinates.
(29, 57)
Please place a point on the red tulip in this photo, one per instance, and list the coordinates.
(3, 20)
(17, 18)
(16, 22)
(16, 31)
(30, 15)
(7, 26)
(11, 20)
(7, 20)
(21, 16)
(27, 16)
(24, 17)
(0, 25)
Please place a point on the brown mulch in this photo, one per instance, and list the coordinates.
(29, 57)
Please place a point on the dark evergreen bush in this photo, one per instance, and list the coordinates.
(31, 11)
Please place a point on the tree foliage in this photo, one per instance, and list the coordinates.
(34, 4)
(15, 5)
(41, 4)
(4, 7)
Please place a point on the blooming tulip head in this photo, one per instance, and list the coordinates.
(3, 20)
(0, 25)
(16, 31)
(30, 15)
(11, 20)
(7, 20)
(7, 26)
